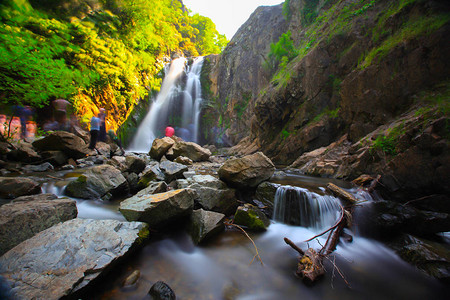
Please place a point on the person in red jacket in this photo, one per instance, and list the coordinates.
(170, 131)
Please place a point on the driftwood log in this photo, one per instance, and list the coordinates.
(310, 262)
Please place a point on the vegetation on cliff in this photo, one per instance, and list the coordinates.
(99, 53)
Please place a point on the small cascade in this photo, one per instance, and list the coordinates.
(177, 104)
(299, 206)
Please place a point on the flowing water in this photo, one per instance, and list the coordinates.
(221, 269)
(178, 104)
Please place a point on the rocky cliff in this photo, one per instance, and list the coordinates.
(370, 78)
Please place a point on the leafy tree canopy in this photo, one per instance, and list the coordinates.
(95, 53)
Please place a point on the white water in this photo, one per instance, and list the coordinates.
(299, 206)
(173, 105)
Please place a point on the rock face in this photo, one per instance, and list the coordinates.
(13, 187)
(248, 171)
(160, 147)
(238, 75)
(97, 182)
(25, 217)
(160, 209)
(72, 145)
(205, 224)
(65, 258)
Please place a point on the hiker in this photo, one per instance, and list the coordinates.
(102, 133)
(95, 129)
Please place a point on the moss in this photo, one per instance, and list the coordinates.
(251, 218)
(143, 234)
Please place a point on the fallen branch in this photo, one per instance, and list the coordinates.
(338, 192)
(254, 245)
(332, 227)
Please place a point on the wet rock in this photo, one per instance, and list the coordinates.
(13, 187)
(205, 224)
(160, 147)
(161, 291)
(151, 173)
(251, 217)
(265, 193)
(248, 171)
(28, 215)
(431, 257)
(191, 150)
(97, 182)
(172, 170)
(72, 145)
(160, 209)
(132, 278)
(63, 259)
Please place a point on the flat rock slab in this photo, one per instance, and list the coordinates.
(25, 217)
(65, 258)
(160, 209)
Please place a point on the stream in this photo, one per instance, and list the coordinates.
(225, 267)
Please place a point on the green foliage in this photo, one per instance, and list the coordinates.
(286, 10)
(102, 53)
(309, 13)
(241, 106)
(410, 30)
(282, 51)
(384, 143)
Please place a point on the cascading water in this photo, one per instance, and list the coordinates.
(299, 206)
(173, 106)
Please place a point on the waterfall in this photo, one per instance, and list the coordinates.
(299, 206)
(173, 105)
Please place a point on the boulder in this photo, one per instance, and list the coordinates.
(248, 171)
(151, 173)
(172, 170)
(205, 224)
(160, 147)
(97, 182)
(13, 187)
(251, 217)
(134, 164)
(25, 217)
(72, 145)
(160, 209)
(191, 150)
(213, 199)
(24, 152)
(65, 258)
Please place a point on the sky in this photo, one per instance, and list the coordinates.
(228, 15)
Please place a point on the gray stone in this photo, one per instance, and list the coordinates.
(38, 168)
(153, 188)
(248, 171)
(13, 187)
(172, 170)
(265, 192)
(24, 152)
(160, 209)
(183, 160)
(37, 197)
(65, 258)
(205, 224)
(134, 164)
(56, 158)
(25, 217)
(214, 199)
(97, 182)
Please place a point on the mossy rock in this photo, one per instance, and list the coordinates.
(251, 217)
